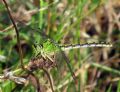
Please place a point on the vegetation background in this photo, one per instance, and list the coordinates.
(66, 22)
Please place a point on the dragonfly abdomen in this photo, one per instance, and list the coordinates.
(86, 45)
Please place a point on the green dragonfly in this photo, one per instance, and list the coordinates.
(48, 48)
(45, 47)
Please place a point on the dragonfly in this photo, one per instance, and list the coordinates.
(47, 48)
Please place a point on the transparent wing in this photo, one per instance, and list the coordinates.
(49, 45)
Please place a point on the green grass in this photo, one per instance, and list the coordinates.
(64, 27)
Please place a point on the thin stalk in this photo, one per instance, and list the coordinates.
(105, 68)
(50, 80)
(37, 81)
(17, 34)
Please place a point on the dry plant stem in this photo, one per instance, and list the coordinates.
(17, 34)
(50, 80)
(6, 29)
(37, 80)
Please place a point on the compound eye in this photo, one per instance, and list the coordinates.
(41, 45)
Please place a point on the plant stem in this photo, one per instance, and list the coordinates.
(50, 80)
(17, 34)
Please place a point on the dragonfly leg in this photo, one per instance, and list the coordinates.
(50, 58)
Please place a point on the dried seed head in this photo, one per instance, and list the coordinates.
(39, 63)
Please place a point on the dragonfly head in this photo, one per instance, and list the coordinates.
(38, 49)
(36, 46)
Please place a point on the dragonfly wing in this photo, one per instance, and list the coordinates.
(63, 54)
(44, 36)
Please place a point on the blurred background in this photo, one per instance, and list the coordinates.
(66, 22)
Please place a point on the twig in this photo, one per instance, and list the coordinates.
(17, 34)
(50, 80)
(6, 29)
(37, 81)
(9, 75)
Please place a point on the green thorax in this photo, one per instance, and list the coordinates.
(47, 48)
